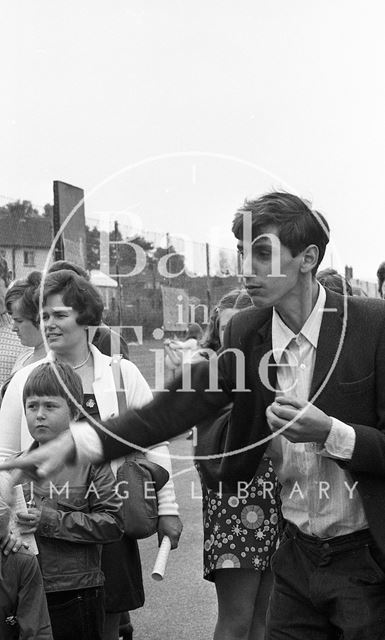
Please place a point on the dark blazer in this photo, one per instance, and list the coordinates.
(348, 384)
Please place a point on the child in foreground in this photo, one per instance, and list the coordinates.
(72, 514)
(23, 606)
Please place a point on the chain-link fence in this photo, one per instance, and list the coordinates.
(147, 279)
(161, 280)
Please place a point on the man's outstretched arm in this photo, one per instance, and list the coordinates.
(170, 414)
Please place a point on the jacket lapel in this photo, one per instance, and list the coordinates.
(265, 367)
(330, 342)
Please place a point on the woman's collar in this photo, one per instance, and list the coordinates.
(97, 357)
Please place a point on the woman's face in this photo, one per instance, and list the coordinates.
(28, 334)
(224, 318)
(62, 331)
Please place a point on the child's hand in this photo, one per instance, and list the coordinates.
(29, 522)
(13, 543)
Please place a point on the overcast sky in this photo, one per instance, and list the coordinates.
(183, 109)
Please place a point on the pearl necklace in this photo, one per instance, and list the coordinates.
(78, 366)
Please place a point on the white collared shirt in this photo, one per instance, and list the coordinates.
(317, 495)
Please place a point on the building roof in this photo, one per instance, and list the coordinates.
(27, 232)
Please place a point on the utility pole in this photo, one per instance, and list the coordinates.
(117, 257)
(208, 281)
(168, 251)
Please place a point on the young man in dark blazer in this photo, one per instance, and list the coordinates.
(313, 393)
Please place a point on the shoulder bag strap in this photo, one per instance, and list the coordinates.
(119, 384)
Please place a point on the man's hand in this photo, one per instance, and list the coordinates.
(170, 526)
(29, 522)
(45, 460)
(309, 424)
(7, 486)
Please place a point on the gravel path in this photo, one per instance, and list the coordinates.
(183, 605)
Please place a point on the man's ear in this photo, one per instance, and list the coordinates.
(309, 258)
(76, 415)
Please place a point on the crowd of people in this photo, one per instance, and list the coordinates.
(299, 550)
(88, 534)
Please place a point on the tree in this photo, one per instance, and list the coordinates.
(93, 248)
(48, 211)
(176, 262)
(226, 263)
(123, 258)
(19, 210)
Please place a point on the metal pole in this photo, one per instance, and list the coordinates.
(208, 281)
(117, 256)
(168, 251)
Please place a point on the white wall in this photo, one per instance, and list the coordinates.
(21, 270)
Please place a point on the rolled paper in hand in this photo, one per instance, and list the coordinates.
(161, 559)
(21, 507)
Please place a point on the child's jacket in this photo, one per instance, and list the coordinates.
(80, 511)
(23, 607)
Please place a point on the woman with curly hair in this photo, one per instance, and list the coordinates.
(21, 301)
(70, 305)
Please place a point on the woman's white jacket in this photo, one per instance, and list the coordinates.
(15, 437)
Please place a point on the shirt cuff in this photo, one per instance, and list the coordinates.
(340, 442)
(48, 522)
(167, 505)
(87, 443)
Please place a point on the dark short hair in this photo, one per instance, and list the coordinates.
(194, 330)
(236, 299)
(78, 293)
(59, 265)
(298, 224)
(243, 301)
(381, 276)
(332, 280)
(4, 271)
(55, 379)
(24, 292)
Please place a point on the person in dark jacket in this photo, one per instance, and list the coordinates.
(23, 605)
(313, 365)
(73, 515)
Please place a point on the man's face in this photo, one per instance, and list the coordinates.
(265, 289)
(383, 290)
(47, 417)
